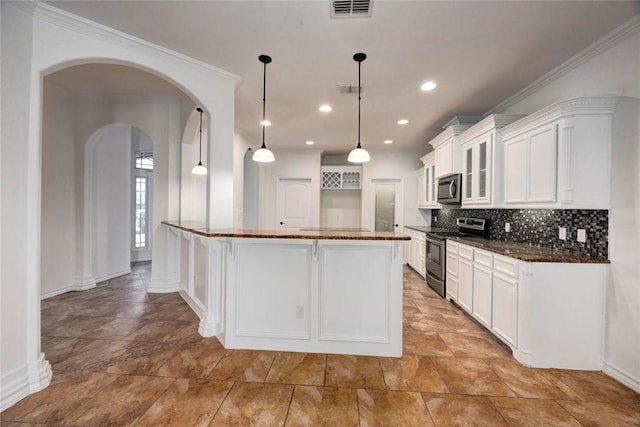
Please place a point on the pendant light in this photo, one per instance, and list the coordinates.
(359, 154)
(263, 154)
(199, 169)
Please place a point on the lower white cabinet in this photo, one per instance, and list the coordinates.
(465, 283)
(550, 314)
(415, 251)
(482, 293)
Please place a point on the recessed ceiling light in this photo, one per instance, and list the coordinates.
(309, 142)
(427, 86)
(265, 123)
(388, 141)
(403, 121)
(325, 108)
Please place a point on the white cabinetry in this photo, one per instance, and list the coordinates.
(415, 250)
(533, 306)
(482, 161)
(559, 157)
(465, 277)
(446, 146)
(427, 183)
(482, 286)
(452, 271)
(505, 299)
(341, 177)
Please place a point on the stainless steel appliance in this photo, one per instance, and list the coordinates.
(436, 250)
(450, 189)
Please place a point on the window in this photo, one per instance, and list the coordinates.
(140, 238)
(144, 160)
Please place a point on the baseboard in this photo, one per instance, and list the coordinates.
(163, 286)
(622, 376)
(79, 284)
(113, 275)
(21, 382)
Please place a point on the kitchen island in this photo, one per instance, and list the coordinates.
(315, 290)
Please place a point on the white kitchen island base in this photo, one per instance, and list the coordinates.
(332, 295)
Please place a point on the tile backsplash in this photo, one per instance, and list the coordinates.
(539, 227)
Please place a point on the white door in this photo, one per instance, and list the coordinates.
(294, 201)
(386, 201)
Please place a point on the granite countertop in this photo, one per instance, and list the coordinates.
(428, 229)
(308, 233)
(526, 252)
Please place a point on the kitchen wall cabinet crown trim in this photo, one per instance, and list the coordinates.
(560, 156)
(446, 146)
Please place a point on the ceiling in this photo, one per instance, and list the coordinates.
(479, 53)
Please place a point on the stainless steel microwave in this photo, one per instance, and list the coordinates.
(450, 189)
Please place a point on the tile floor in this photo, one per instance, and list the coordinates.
(121, 356)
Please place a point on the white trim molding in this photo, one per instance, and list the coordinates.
(622, 376)
(28, 379)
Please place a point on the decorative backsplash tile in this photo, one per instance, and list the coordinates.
(539, 227)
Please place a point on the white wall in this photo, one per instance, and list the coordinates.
(341, 208)
(288, 164)
(613, 70)
(400, 164)
(193, 188)
(111, 202)
(58, 192)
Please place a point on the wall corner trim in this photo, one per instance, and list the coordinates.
(27, 379)
(622, 376)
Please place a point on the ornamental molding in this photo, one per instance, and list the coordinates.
(488, 124)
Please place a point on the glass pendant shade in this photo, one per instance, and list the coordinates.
(359, 154)
(263, 154)
(199, 169)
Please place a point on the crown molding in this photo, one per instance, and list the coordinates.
(578, 106)
(50, 14)
(454, 127)
(489, 123)
(632, 26)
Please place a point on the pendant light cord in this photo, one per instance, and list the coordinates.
(200, 157)
(359, 98)
(264, 97)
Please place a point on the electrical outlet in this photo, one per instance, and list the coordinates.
(562, 233)
(582, 235)
(299, 311)
(507, 227)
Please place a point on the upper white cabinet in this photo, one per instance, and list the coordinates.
(427, 183)
(446, 146)
(482, 161)
(560, 156)
(341, 177)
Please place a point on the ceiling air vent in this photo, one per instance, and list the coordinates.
(351, 8)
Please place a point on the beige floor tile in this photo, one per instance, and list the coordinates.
(243, 365)
(194, 360)
(141, 359)
(392, 408)
(412, 373)
(158, 330)
(71, 326)
(353, 372)
(121, 402)
(592, 414)
(526, 382)
(53, 404)
(596, 386)
(298, 368)
(533, 413)
(323, 406)
(470, 376)
(453, 410)
(476, 346)
(424, 344)
(187, 402)
(254, 404)
(116, 328)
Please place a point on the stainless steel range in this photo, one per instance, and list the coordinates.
(436, 251)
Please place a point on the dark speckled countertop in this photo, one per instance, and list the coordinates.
(309, 233)
(526, 252)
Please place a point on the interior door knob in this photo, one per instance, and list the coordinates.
(395, 225)
(281, 223)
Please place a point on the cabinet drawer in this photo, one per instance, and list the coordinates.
(506, 265)
(452, 247)
(483, 258)
(466, 252)
(420, 236)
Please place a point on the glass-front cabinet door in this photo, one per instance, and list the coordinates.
(468, 173)
(477, 171)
